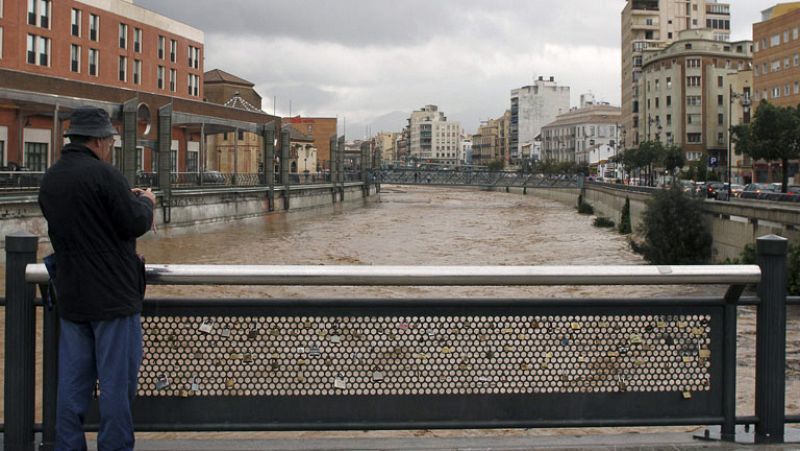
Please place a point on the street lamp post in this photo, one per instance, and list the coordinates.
(746, 104)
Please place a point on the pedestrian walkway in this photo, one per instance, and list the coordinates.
(670, 441)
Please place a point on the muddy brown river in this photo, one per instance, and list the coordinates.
(433, 226)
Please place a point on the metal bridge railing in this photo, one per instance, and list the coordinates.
(310, 364)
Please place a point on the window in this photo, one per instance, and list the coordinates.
(669, 100)
(693, 62)
(173, 80)
(173, 50)
(123, 36)
(787, 90)
(720, 82)
(137, 72)
(786, 63)
(2, 153)
(192, 157)
(31, 12)
(38, 45)
(720, 100)
(694, 138)
(1, 40)
(693, 119)
(160, 77)
(795, 33)
(776, 92)
(161, 44)
(776, 66)
(720, 119)
(123, 68)
(657, 102)
(137, 40)
(76, 22)
(94, 61)
(94, 27)
(669, 120)
(669, 82)
(194, 85)
(194, 57)
(35, 158)
(31, 52)
(693, 81)
(44, 13)
(776, 40)
(75, 58)
(796, 59)
(720, 137)
(797, 87)
(693, 100)
(785, 37)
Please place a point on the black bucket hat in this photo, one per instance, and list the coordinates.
(90, 121)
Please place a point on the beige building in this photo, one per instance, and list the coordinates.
(574, 135)
(656, 23)
(486, 143)
(684, 94)
(386, 146)
(434, 139)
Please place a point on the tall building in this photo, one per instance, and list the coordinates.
(434, 139)
(531, 108)
(386, 146)
(684, 94)
(656, 23)
(575, 134)
(776, 60)
(486, 143)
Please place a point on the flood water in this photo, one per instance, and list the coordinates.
(434, 226)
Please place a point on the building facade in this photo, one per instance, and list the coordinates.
(386, 146)
(776, 57)
(434, 139)
(573, 136)
(486, 143)
(532, 107)
(685, 92)
(647, 24)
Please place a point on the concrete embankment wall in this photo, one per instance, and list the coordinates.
(194, 207)
(734, 223)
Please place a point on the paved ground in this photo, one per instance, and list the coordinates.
(618, 442)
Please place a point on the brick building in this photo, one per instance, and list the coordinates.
(145, 69)
(776, 59)
(320, 129)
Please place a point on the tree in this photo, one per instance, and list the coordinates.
(774, 134)
(673, 159)
(496, 165)
(675, 230)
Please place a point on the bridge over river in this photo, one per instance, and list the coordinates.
(475, 177)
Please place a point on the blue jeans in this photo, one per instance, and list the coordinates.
(108, 351)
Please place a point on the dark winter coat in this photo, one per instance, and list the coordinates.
(93, 220)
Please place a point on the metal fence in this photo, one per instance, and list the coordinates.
(265, 364)
(473, 177)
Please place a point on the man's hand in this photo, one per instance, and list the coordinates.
(147, 193)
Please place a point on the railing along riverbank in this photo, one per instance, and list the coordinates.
(265, 364)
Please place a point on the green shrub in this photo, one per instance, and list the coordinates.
(793, 264)
(625, 219)
(603, 222)
(674, 229)
(585, 209)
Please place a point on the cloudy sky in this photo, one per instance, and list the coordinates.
(371, 62)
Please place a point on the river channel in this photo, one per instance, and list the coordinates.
(435, 226)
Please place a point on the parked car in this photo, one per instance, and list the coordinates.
(736, 189)
(713, 188)
(756, 188)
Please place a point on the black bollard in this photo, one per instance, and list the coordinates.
(771, 340)
(20, 343)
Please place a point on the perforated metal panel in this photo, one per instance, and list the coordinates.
(424, 355)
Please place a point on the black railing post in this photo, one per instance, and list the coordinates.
(49, 375)
(20, 343)
(771, 340)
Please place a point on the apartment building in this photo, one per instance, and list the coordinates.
(434, 139)
(575, 135)
(647, 24)
(385, 146)
(776, 57)
(531, 108)
(684, 94)
(486, 143)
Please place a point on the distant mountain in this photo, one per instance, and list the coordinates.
(390, 122)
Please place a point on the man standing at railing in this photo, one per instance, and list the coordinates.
(93, 220)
